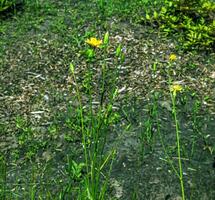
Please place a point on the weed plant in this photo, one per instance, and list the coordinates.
(95, 123)
(174, 89)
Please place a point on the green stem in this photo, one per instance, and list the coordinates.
(173, 99)
(178, 145)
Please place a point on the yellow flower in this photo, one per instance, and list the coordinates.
(94, 42)
(172, 57)
(175, 88)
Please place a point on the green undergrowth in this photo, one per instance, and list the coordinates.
(193, 20)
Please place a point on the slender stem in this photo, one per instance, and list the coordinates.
(178, 146)
(173, 98)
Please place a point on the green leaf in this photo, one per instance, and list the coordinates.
(71, 66)
(118, 50)
(163, 10)
(148, 17)
(90, 53)
(155, 15)
(106, 38)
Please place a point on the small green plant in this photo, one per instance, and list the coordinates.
(198, 124)
(147, 127)
(76, 173)
(75, 170)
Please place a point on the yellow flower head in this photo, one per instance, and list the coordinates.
(94, 42)
(175, 88)
(172, 57)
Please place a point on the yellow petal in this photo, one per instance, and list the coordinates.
(176, 88)
(172, 57)
(94, 42)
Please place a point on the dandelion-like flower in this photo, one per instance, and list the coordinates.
(175, 88)
(172, 57)
(94, 42)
